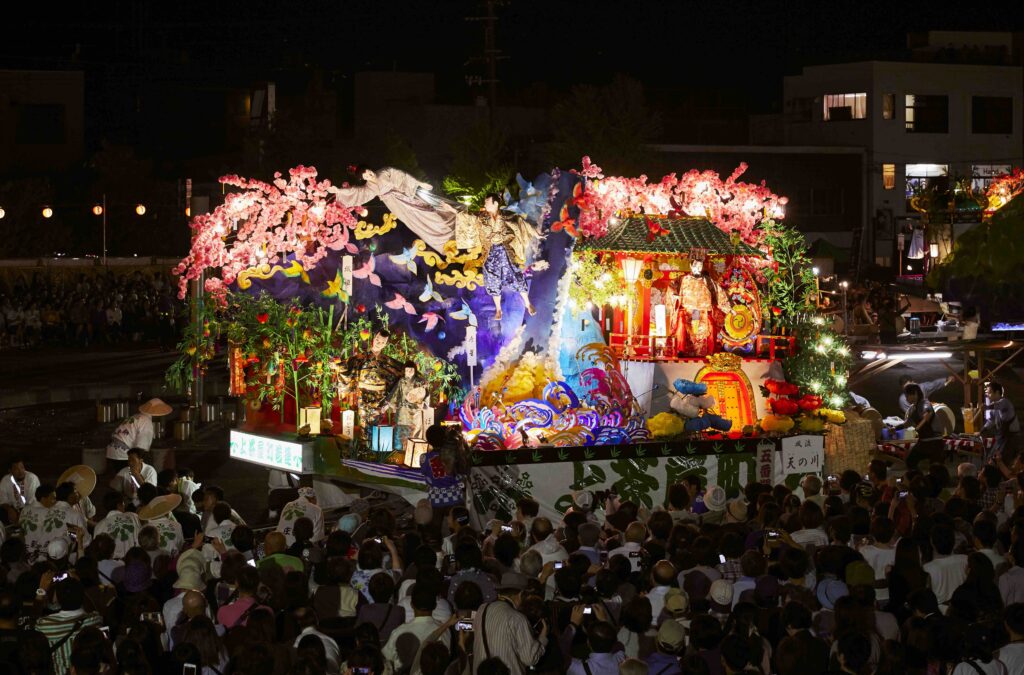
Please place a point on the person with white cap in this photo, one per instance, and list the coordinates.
(135, 432)
(304, 506)
(132, 477)
(18, 487)
(715, 500)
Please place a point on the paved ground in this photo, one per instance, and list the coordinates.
(48, 411)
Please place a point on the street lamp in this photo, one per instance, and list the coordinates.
(2, 213)
(140, 209)
(97, 210)
(47, 212)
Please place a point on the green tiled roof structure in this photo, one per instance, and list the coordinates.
(630, 236)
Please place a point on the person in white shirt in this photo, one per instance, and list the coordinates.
(927, 388)
(304, 506)
(633, 539)
(122, 526)
(158, 514)
(36, 523)
(18, 488)
(810, 533)
(985, 540)
(662, 575)
(135, 432)
(1011, 583)
(545, 544)
(1012, 654)
(424, 600)
(881, 555)
(947, 570)
(135, 475)
(65, 516)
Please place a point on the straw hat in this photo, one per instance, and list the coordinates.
(159, 506)
(156, 408)
(82, 476)
(190, 579)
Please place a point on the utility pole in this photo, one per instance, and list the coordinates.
(490, 58)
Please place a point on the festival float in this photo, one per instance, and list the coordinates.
(579, 331)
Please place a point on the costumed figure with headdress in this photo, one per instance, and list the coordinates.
(697, 299)
(371, 376)
(409, 399)
(409, 198)
(506, 241)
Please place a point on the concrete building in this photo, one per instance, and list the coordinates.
(916, 121)
(41, 121)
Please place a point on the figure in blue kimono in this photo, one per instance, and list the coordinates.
(506, 241)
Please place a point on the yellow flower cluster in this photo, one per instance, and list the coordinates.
(664, 425)
(779, 423)
(522, 380)
(830, 415)
(812, 423)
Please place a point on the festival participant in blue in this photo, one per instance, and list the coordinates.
(506, 241)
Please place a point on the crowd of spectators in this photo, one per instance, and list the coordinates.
(919, 574)
(111, 307)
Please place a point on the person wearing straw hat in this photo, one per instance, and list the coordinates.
(66, 518)
(304, 506)
(158, 514)
(135, 432)
(18, 487)
(84, 478)
(34, 520)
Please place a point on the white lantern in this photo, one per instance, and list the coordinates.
(415, 448)
(631, 269)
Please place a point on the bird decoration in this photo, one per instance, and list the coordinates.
(431, 319)
(465, 314)
(401, 303)
(368, 271)
(335, 288)
(429, 292)
(406, 259)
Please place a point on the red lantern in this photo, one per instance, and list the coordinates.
(262, 317)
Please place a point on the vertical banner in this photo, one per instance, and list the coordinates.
(660, 322)
(800, 455)
(470, 344)
(346, 274)
(765, 461)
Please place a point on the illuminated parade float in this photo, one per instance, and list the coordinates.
(580, 331)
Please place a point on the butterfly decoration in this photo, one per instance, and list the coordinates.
(429, 292)
(335, 288)
(343, 243)
(368, 271)
(431, 319)
(655, 229)
(407, 259)
(464, 314)
(400, 303)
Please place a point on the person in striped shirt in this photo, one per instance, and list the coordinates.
(61, 627)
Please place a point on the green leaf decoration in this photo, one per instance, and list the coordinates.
(691, 449)
(615, 452)
(641, 451)
(665, 449)
(535, 456)
(563, 455)
(739, 447)
(588, 453)
(717, 448)
(476, 458)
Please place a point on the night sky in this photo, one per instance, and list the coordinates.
(742, 48)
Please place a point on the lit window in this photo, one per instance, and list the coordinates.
(888, 106)
(927, 114)
(919, 175)
(982, 175)
(845, 107)
(889, 176)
